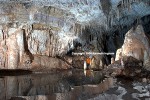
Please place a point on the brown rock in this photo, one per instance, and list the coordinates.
(45, 63)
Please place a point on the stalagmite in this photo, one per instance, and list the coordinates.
(112, 60)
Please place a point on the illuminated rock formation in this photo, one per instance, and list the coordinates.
(137, 45)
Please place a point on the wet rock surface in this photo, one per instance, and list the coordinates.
(126, 90)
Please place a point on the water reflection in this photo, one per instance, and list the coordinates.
(69, 85)
(89, 73)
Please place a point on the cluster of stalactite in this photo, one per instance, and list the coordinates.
(49, 28)
(112, 13)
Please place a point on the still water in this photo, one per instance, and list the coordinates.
(65, 85)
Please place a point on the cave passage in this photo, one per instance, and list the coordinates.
(74, 49)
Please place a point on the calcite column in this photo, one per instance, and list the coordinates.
(15, 44)
(20, 42)
(12, 53)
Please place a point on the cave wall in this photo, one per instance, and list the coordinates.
(20, 45)
(50, 28)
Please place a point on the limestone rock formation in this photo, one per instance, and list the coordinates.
(20, 44)
(50, 28)
(45, 63)
(137, 45)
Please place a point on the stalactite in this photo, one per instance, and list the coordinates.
(109, 18)
(112, 20)
(75, 29)
(128, 5)
(118, 14)
(125, 3)
(79, 30)
(122, 5)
